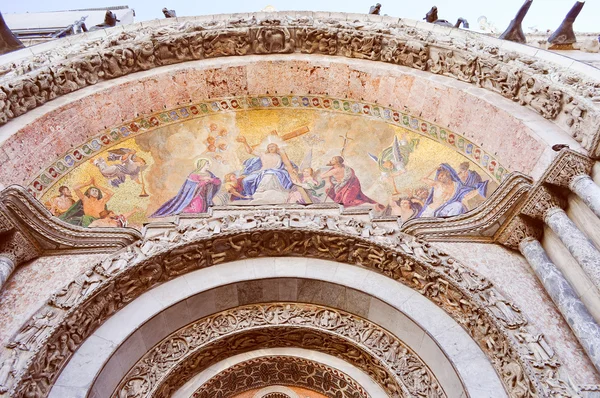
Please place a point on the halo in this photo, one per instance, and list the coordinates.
(271, 139)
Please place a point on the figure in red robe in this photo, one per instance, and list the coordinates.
(342, 185)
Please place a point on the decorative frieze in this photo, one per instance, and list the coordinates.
(78, 309)
(280, 370)
(522, 79)
(184, 353)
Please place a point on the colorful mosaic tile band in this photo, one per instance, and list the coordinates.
(143, 125)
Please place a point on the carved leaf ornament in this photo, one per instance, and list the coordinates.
(544, 87)
(79, 308)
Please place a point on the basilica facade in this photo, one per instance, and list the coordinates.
(298, 204)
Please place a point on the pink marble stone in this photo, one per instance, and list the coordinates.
(38, 144)
(511, 275)
(31, 285)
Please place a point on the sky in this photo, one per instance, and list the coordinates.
(543, 15)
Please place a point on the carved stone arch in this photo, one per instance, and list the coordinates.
(506, 69)
(282, 371)
(193, 348)
(489, 318)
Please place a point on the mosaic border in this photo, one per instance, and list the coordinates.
(113, 136)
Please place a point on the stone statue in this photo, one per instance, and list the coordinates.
(514, 32)
(564, 37)
(432, 17)
(169, 13)
(375, 9)
(8, 41)
(110, 20)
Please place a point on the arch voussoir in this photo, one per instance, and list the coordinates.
(467, 297)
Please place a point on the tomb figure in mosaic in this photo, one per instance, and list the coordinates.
(404, 207)
(267, 174)
(195, 195)
(91, 203)
(109, 219)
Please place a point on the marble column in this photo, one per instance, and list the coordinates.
(7, 266)
(578, 244)
(584, 187)
(563, 295)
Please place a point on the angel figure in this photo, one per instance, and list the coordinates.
(129, 164)
(392, 160)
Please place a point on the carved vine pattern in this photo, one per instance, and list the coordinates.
(190, 350)
(566, 98)
(280, 370)
(46, 342)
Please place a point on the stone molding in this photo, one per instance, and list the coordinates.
(480, 224)
(193, 348)
(568, 99)
(28, 230)
(77, 310)
(280, 370)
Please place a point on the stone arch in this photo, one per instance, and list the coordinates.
(306, 373)
(468, 298)
(122, 341)
(554, 109)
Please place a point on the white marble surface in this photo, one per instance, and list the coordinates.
(453, 355)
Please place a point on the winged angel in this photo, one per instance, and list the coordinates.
(392, 160)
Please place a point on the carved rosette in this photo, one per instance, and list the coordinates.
(519, 230)
(280, 370)
(31, 83)
(190, 350)
(122, 277)
(540, 202)
(566, 167)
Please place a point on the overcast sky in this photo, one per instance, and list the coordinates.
(544, 14)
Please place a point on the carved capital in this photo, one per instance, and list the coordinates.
(568, 165)
(17, 247)
(540, 202)
(518, 230)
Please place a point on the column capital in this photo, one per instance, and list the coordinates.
(540, 202)
(568, 165)
(519, 229)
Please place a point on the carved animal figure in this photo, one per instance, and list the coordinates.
(432, 17)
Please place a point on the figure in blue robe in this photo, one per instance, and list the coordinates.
(195, 195)
(446, 174)
(255, 173)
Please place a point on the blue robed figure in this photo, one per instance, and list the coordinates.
(195, 195)
(439, 203)
(266, 173)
